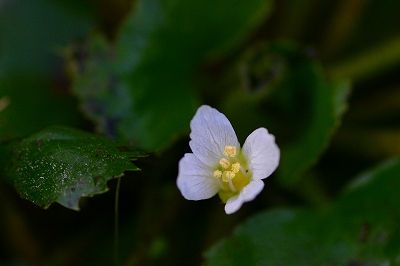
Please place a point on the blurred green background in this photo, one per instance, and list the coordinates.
(322, 76)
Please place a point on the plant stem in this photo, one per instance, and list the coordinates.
(368, 62)
(116, 223)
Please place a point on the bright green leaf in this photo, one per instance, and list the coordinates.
(62, 165)
(356, 229)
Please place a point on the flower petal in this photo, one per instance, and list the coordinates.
(262, 153)
(248, 193)
(211, 132)
(195, 179)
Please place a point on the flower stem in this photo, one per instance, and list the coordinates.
(116, 222)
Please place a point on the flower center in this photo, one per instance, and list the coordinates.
(230, 173)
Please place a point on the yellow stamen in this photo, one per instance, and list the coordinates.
(224, 163)
(235, 167)
(231, 174)
(217, 174)
(227, 175)
(230, 151)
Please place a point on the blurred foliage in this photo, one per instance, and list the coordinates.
(289, 88)
(355, 229)
(128, 90)
(322, 76)
(33, 86)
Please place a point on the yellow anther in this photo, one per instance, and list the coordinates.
(217, 174)
(235, 167)
(224, 163)
(230, 151)
(227, 175)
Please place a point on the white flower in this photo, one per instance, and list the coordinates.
(219, 165)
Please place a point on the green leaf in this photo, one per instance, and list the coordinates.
(361, 227)
(312, 105)
(280, 237)
(158, 51)
(62, 165)
(186, 32)
(288, 93)
(317, 105)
